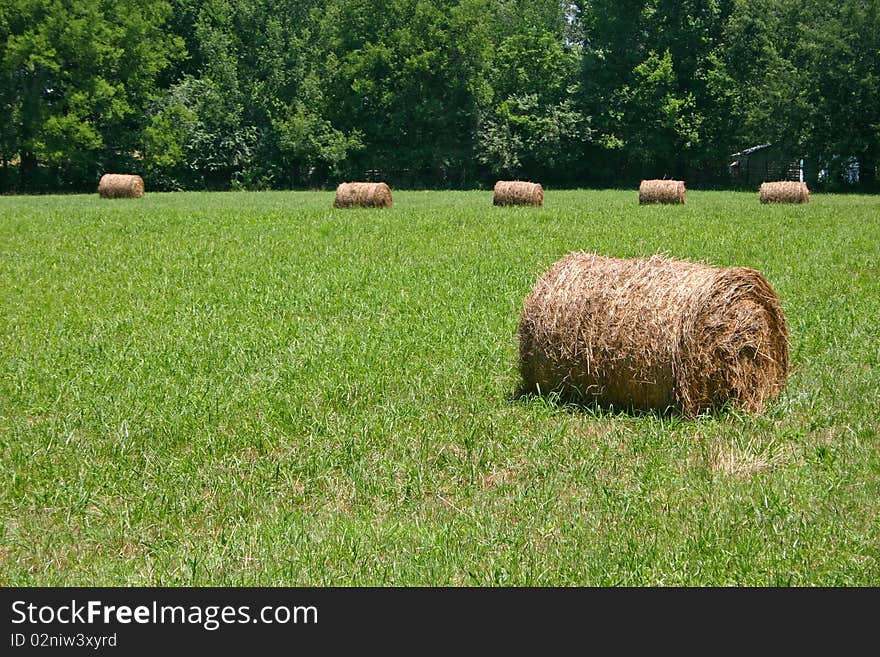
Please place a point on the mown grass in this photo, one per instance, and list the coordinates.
(256, 389)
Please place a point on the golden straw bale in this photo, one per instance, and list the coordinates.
(784, 191)
(662, 191)
(362, 195)
(653, 333)
(517, 192)
(120, 185)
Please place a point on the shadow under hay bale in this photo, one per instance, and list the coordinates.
(362, 195)
(120, 185)
(662, 191)
(517, 192)
(653, 334)
(784, 191)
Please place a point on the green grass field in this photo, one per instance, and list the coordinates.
(256, 389)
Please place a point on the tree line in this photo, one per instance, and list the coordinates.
(260, 94)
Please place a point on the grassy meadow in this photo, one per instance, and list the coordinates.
(257, 389)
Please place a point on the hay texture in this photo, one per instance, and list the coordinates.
(653, 333)
(518, 192)
(362, 195)
(662, 191)
(120, 185)
(785, 191)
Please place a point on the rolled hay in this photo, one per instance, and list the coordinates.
(120, 185)
(662, 191)
(653, 334)
(784, 191)
(362, 195)
(517, 192)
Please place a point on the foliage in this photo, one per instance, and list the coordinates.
(534, 128)
(77, 78)
(289, 93)
(526, 139)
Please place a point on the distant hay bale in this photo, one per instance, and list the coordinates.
(362, 195)
(120, 185)
(662, 191)
(518, 192)
(784, 191)
(653, 333)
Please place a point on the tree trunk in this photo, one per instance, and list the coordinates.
(869, 180)
(27, 168)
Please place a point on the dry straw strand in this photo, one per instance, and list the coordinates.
(517, 192)
(784, 191)
(653, 333)
(362, 195)
(120, 185)
(662, 191)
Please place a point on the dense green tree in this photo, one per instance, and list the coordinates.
(806, 76)
(77, 77)
(249, 110)
(527, 139)
(843, 55)
(534, 129)
(285, 93)
(766, 78)
(652, 78)
(409, 76)
(657, 122)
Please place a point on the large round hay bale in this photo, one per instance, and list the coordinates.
(120, 185)
(362, 195)
(653, 333)
(662, 191)
(517, 192)
(784, 191)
